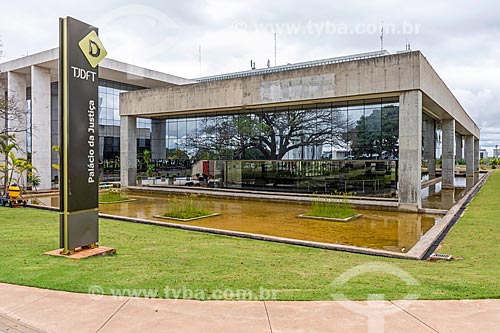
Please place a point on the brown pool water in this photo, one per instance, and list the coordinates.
(392, 231)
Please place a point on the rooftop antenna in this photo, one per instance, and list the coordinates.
(382, 37)
(275, 45)
(407, 46)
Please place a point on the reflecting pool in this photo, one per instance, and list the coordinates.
(437, 198)
(391, 231)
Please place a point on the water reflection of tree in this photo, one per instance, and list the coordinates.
(266, 135)
(377, 134)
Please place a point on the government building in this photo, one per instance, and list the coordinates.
(366, 124)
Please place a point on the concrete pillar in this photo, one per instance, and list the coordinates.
(476, 155)
(128, 151)
(458, 147)
(16, 91)
(41, 129)
(410, 149)
(469, 155)
(448, 157)
(158, 139)
(429, 127)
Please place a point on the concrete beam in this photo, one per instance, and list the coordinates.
(448, 158)
(434, 87)
(41, 126)
(380, 75)
(469, 155)
(108, 69)
(410, 150)
(128, 151)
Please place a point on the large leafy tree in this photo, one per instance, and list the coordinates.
(377, 134)
(267, 135)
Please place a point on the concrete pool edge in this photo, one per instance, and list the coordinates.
(417, 252)
(275, 239)
(434, 236)
(260, 237)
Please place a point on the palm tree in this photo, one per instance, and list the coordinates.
(7, 145)
(12, 166)
(19, 166)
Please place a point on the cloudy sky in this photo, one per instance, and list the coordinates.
(459, 38)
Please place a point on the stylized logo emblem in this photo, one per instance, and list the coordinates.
(93, 49)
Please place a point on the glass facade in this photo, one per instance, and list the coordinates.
(347, 146)
(109, 127)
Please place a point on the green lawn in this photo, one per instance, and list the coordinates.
(151, 257)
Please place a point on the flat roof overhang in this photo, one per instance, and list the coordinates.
(384, 76)
(109, 69)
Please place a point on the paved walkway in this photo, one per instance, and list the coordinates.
(25, 309)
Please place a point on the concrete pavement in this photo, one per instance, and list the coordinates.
(26, 309)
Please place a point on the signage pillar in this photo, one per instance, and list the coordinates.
(80, 52)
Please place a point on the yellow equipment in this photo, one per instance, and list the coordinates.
(13, 197)
(14, 191)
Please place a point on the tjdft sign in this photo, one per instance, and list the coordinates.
(80, 52)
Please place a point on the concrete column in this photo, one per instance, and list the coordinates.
(448, 157)
(458, 147)
(16, 91)
(128, 150)
(158, 139)
(41, 129)
(410, 149)
(429, 126)
(469, 155)
(476, 155)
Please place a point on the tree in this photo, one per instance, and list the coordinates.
(150, 168)
(176, 154)
(377, 134)
(7, 145)
(267, 135)
(283, 132)
(14, 168)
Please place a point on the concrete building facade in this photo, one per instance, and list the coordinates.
(424, 104)
(365, 123)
